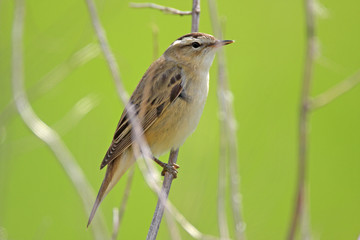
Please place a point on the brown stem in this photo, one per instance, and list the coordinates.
(299, 207)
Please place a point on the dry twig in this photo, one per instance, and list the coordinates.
(228, 142)
(43, 131)
(300, 199)
(164, 9)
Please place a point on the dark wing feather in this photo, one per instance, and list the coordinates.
(150, 98)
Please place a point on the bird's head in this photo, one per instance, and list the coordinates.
(196, 49)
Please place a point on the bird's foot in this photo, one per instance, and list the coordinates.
(170, 168)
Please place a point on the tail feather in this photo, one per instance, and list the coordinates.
(114, 171)
(102, 193)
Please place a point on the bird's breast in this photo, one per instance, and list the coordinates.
(180, 119)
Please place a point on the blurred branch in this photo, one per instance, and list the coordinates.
(118, 215)
(109, 56)
(51, 79)
(76, 113)
(223, 154)
(172, 227)
(155, 37)
(39, 128)
(164, 9)
(333, 93)
(79, 110)
(195, 16)
(299, 206)
(228, 141)
(140, 146)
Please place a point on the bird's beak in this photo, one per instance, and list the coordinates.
(221, 43)
(226, 42)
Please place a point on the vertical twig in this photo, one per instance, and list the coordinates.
(40, 129)
(299, 207)
(228, 141)
(221, 210)
(171, 224)
(159, 210)
(195, 16)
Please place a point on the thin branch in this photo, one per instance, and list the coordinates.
(43, 131)
(164, 9)
(140, 146)
(171, 224)
(228, 141)
(195, 16)
(118, 215)
(159, 210)
(184, 223)
(299, 206)
(335, 92)
(109, 56)
(221, 209)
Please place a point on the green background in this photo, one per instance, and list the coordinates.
(37, 200)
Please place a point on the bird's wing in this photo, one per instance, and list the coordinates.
(160, 86)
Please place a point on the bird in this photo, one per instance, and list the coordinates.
(168, 102)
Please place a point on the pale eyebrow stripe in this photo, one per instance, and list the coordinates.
(176, 42)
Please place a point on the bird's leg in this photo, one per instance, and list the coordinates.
(167, 167)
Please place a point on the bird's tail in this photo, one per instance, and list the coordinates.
(114, 171)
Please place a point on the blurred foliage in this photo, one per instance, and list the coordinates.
(37, 200)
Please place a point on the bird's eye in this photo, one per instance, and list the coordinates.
(195, 44)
